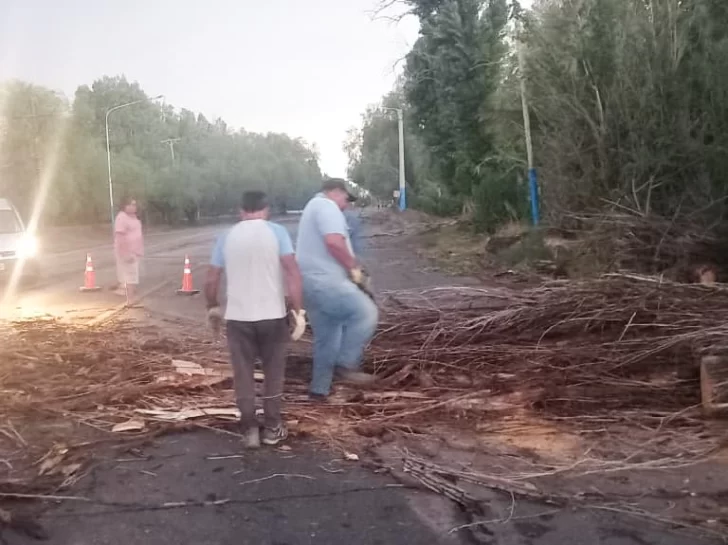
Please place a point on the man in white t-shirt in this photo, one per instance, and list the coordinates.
(260, 269)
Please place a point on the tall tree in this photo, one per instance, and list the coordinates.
(211, 166)
(32, 121)
(450, 77)
(630, 100)
(373, 150)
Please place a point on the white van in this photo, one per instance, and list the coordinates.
(18, 247)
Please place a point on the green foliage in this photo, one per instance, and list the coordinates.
(44, 138)
(450, 76)
(628, 102)
(31, 126)
(433, 199)
(501, 197)
(449, 94)
(631, 104)
(373, 150)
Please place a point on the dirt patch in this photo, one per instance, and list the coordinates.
(454, 249)
(515, 254)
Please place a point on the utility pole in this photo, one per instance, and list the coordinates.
(532, 176)
(171, 142)
(402, 178)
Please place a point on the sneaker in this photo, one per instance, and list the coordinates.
(354, 377)
(318, 398)
(121, 292)
(273, 436)
(251, 438)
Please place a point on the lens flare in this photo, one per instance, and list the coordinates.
(27, 247)
(49, 170)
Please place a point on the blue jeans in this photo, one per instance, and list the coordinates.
(343, 320)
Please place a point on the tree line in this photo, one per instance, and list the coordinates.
(627, 98)
(178, 164)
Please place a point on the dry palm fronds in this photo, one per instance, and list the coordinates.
(655, 244)
(616, 343)
(619, 350)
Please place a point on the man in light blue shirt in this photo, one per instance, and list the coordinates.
(343, 318)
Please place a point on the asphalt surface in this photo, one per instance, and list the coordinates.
(57, 293)
(200, 488)
(225, 497)
(329, 501)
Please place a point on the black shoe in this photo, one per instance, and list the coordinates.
(318, 398)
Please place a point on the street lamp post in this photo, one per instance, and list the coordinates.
(108, 149)
(402, 185)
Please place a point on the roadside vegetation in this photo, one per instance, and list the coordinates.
(180, 164)
(628, 103)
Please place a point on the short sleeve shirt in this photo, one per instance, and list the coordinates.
(128, 238)
(250, 253)
(321, 217)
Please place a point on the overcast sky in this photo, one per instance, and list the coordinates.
(305, 68)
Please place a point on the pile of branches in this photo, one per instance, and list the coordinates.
(606, 346)
(653, 244)
(613, 350)
(66, 388)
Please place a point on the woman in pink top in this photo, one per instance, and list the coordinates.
(128, 248)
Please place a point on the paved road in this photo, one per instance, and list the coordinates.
(296, 497)
(331, 503)
(229, 497)
(57, 292)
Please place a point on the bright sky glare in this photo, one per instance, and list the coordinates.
(305, 68)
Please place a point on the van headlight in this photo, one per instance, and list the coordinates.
(27, 247)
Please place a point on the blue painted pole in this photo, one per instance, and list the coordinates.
(533, 189)
(402, 199)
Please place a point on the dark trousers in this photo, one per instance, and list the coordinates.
(267, 340)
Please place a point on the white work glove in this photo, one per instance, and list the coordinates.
(299, 324)
(357, 276)
(215, 319)
(360, 277)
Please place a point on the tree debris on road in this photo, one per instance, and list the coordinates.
(614, 358)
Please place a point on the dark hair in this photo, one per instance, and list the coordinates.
(338, 183)
(126, 201)
(254, 201)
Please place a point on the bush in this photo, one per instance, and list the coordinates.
(433, 199)
(500, 199)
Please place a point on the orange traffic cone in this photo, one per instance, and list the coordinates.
(89, 277)
(187, 288)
